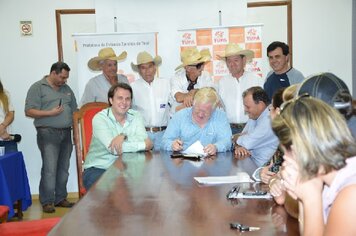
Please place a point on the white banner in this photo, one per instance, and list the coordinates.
(88, 45)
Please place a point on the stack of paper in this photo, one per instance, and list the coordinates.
(196, 149)
(222, 180)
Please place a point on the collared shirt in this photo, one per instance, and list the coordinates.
(179, 83)
(97, 88)
(230, 91)
(217, 131)
(41, 96)
(259, 138)
(151, 100)
(274, 81)
(105, 129)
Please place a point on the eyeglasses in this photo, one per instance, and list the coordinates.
(198, 66)
(287, 103)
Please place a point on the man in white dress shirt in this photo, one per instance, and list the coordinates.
(232, 86)
(190, 77)
(97, 88)
(151, 96)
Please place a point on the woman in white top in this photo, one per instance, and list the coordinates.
(319, 168)
(6, 118)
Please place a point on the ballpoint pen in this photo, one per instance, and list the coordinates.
(243, 228)
(235, 189)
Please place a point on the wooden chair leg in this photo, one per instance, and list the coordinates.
(18, 208)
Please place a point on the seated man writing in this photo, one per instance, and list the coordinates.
(257, 139)
(201, 122)
(116, 129)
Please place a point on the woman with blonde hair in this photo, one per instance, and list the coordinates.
(319, 168)
(6, 118)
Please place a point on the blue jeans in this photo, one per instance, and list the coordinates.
(91, 175)
(156, 139)
(56, 148)
(10, 146)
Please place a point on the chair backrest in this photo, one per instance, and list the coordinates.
(82, 132)
(4, 212)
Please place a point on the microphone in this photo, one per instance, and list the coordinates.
(15, 137)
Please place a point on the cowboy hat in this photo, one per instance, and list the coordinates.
(145, 57)
(191, 56)
(233, 49)
(105, 54)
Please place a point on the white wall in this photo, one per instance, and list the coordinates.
(321, 38)
(25, 60)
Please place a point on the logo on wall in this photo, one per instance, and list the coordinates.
(216, 39)
(188, 39)
(253, 34)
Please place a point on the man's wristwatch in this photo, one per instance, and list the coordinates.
(125, 136)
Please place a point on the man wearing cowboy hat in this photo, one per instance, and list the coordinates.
(235, 83)
(151, 96)
(189, 78)
(283, 75)
(96, 90)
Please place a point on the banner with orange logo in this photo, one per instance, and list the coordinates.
(216, 39)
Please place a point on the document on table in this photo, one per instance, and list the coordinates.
(222, 180)
(195, 149)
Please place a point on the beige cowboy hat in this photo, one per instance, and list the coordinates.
(191, 56)
(105, 54)
(233, 49)
(145, 57)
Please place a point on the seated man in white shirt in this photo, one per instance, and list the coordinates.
(231, 86)
(190, 77)
(96, 90)
(151, 96)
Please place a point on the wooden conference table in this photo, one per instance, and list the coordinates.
(152, 194)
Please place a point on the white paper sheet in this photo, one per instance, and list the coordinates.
(221, 180)
(196, 149)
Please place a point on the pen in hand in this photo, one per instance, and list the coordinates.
(177, 145)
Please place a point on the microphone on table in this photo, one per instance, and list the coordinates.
(15, 137)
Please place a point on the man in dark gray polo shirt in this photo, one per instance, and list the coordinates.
(51, 102)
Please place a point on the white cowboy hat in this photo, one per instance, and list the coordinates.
(233, 49)
(105, 54)
(145, 57)
(191, 56)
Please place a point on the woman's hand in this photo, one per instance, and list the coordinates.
(277, 190)
(266, 175)
(293, 183)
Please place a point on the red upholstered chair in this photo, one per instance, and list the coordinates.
(4, 212)
(29, 228)
(82, 132)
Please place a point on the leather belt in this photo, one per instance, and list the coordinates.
(156, 129)
(237, 125)
(47, 127)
